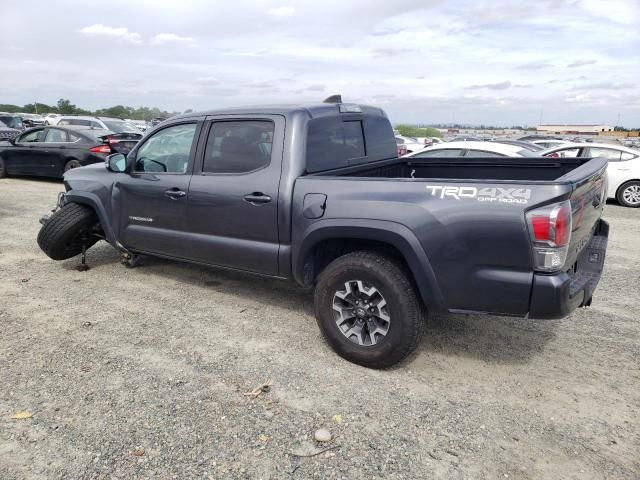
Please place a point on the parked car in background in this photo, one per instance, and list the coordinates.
(467, 138)
(7, 133)
(49, 118)
(104, 123)
(156, 121)
(623, 171)
(32, 119)
(12, 120)
(519, 143)
(51, 151)
(412, 144)
(473, 149)
(528, 138)
(549, 143)
(139, 124)
(117, 142)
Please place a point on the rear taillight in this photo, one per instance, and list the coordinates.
(550, 231)
(402, 150)
(101, 149)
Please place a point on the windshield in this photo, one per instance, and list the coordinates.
(118, 126)
(3, 125)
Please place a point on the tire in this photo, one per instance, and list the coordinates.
(71, 164)
(402, 308)
(3, 169)
(629, 194)
(59, 238)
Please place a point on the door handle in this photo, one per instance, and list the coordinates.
(175, 193)
(257, 198)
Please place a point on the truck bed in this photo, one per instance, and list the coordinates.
(467, 215)
(511, 169)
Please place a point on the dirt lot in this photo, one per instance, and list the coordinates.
(140, 373)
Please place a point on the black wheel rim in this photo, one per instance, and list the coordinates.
(71, 165)
(361, 313)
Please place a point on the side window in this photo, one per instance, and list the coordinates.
(167, 151)
(96, 125)
(33, 136)
(440, 152)
(73, 137)
(238, 147)
(609, 154)
(569, 152)
(482, 153)
(55, 136)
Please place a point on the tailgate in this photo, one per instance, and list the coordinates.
(587, 202)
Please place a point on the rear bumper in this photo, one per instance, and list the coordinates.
(556, 296)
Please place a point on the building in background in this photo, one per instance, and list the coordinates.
(574, 129)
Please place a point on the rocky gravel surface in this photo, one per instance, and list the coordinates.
(143, 373)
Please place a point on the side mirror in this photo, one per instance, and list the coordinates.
(116, 163)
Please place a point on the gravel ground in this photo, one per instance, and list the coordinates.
(140, 373)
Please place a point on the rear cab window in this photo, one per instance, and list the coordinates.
(339, 141)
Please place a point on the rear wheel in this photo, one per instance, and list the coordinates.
(629, 194)
(67, 230)
(71, 164)
(368, 310)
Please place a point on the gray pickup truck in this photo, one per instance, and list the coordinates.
(317, 194)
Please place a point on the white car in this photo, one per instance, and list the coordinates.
(473, 149)
(623, 171)
(412, 144)
(114, 125)
(50, 118)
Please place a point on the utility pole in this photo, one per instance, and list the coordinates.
(35, 105)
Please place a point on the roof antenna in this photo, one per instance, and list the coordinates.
(333, 99)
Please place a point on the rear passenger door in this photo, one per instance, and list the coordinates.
(233, 197)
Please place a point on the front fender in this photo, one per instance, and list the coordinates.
(92, 200)
(392, 233)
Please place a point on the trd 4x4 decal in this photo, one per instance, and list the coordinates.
(487, 194)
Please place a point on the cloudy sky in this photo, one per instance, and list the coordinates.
(470, 61)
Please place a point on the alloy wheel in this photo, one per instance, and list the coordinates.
(631, 194)
(361, 313)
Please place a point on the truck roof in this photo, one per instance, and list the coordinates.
(314, 110)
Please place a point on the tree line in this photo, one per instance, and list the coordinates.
(65, 107)
(413, 131)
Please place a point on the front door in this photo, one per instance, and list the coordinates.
(23, 158)
(152, 199)
(233, 196)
